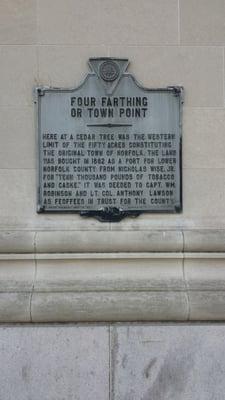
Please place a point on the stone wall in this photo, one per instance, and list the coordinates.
(112, 362)
(168, 42)
(156, 267)
(169, 266)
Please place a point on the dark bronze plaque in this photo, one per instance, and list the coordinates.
(110, 147)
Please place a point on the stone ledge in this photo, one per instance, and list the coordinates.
(109, 306)
(110, 241)
(112, 287)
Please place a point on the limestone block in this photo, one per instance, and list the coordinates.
(125, 242)
(167, 361)
(202, 22)
(18, 75)
(17, 139)
(18, 22)
(198, 69)
(94, 22)
(45, 221)
(55, 60)
(203, 138)
(98, 241)
(17, 275)
(54, 362)
(66, 222)
(148, 222)
(207, 305)
(205, 273)
(109, 273)
(204, 240)
(19, 195)
(204, 192)
(145, 222)
(109, 306)
(112, 287)
(176, 222)
(14, 307)
(17, 241)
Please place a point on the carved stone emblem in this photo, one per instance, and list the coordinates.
(109, 71)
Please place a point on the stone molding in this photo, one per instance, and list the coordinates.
(125, 286)
(109, 241)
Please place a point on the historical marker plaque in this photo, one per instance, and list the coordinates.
(109, 148)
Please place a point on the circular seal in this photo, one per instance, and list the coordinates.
(109, 71)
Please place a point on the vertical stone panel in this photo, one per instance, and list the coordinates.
(167, 362)
(54, 362)
(202, 22)
(18, 22)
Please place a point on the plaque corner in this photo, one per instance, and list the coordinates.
(40, 208)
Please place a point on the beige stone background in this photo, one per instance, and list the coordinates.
(154, 267)
(57, 268)
(168, 42)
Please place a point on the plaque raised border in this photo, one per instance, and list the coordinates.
(103, 69)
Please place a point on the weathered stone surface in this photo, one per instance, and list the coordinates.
(17, 275)
(169, 362)
(145, 361)
(113, 241)
(54, 362)
(18, 75)
(109, 272)
(203, 192)
(204, 240)
(177, 222)
(15, 307)
(117, 240)
(109, 306)
(54, 60)
(17, 138)
(202, 22)
(112, 287)
(18, 22)
(17, 242)
(19, 194)
(203, 138)
(198, 69)
(100, 241)
(205, 273)
(109, 23)
(165, 47)
(207, 305)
